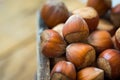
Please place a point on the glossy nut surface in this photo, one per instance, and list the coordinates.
(101, 40)
(81, 55)
(109, 61)
(90, 73)
(63, 70)
(75, 29)
(52, 44)
(54, 12)
(101, 6)
(90, 15)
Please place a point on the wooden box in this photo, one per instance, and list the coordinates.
(43, 68)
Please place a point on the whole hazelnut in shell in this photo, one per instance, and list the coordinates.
(63, 70)
(109, 61)
(75, 29)
(101, 40)
(52, 44)
(54, 12)
(80, 54)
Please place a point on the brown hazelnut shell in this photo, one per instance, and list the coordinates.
(109, 61)
(115, 15)
(90, 15)
(52, 44)
(80, 54)
(101, 40)
(101, 6)
(75, 29)
(90, 73)
(53, 13)
(63, 70)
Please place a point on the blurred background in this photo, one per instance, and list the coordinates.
(18, 23)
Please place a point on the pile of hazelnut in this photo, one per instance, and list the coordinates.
(83, 44)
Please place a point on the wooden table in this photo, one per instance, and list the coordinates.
(18, 37)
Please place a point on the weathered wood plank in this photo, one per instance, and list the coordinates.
(43, 70)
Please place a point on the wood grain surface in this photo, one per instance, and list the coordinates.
(18, 59)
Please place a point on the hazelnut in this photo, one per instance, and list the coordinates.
(109, 61)
(90, 73)
(53, 13)
(63, 70)
(101, 6)
(107, 26)
(59, 28)
(75, 29)
(52, 44)
(80, 54)
(115, 15)
(101, 40)
(117, 38)
(90, 15)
